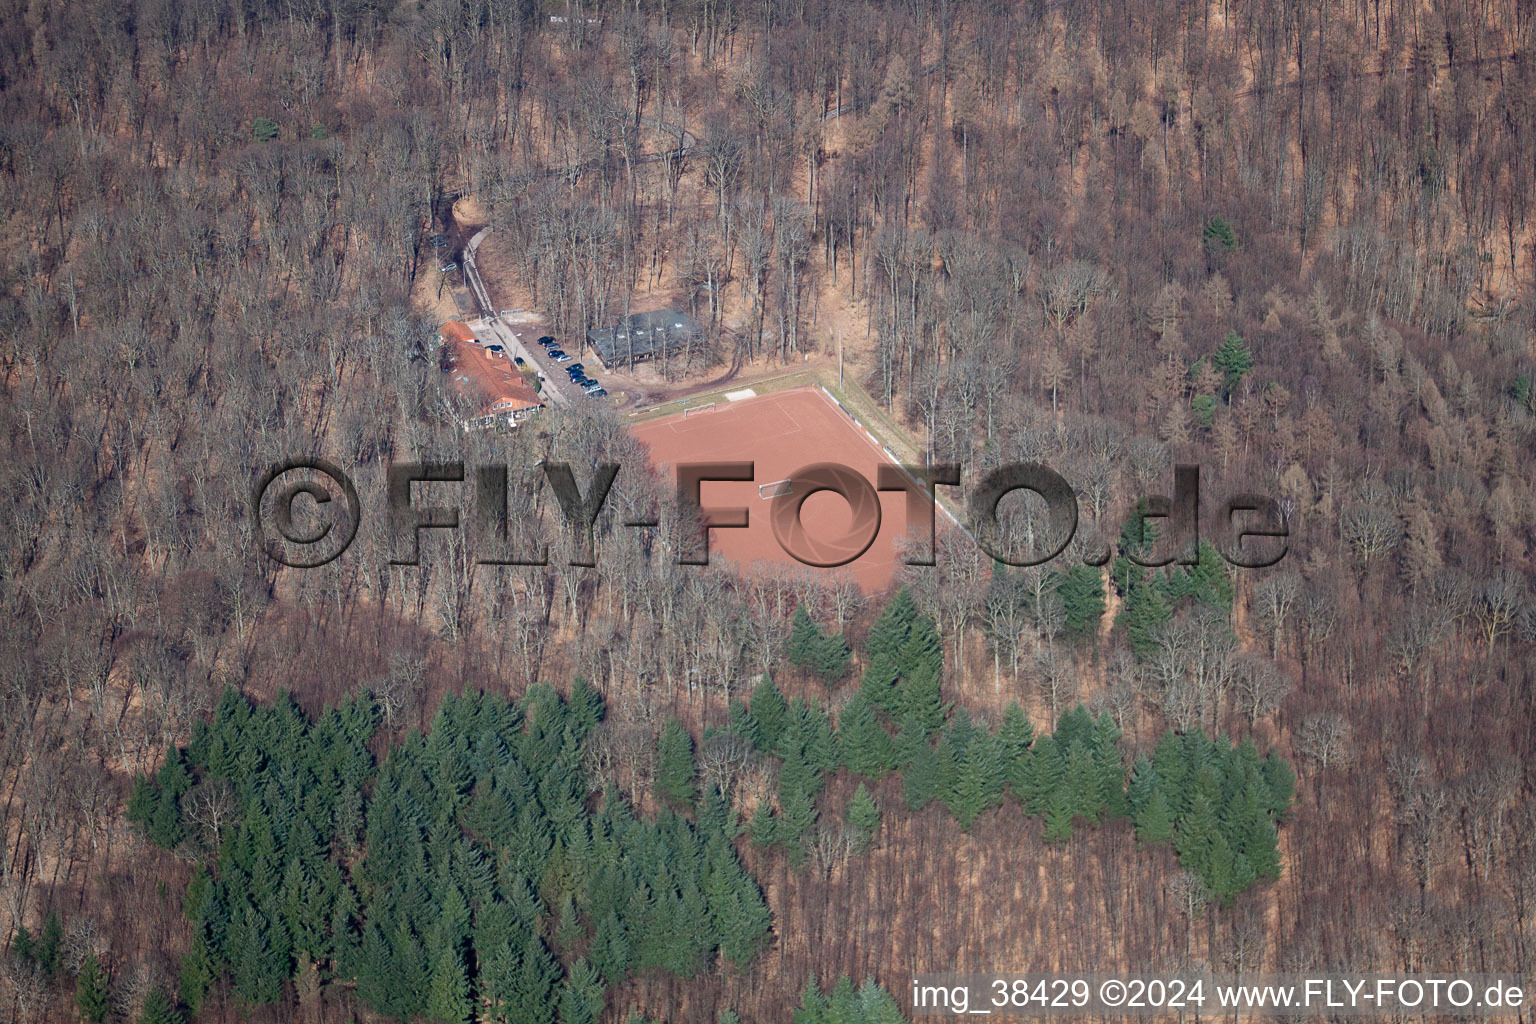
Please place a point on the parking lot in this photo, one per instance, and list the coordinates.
(521, 340)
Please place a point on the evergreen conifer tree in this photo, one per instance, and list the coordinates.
(1143, 779)
(922, 779)
(1014, 735)
(143, 802)
(918, 699)
(1154, 820)
(532, 998)
(48, 947)
(1081, 590)
(830, 661)
(195, 973)
(764, 827)
(864, 746)
(1143, 611)
(569, 930)
(1251, 833)
(864, 815)
(1170, 762)
(1084, 784)
(1220, 871)
(768, 711)
(921, 650)
(158, 1009)
(804, 640)
(891, 629)
(744, 921)
(448, 991)
(1110, 765)
(581, 997)
(1041, 775)
(92, 998)
(979, 780)
(843, 1001)
(813, 735)
(675, 768)
(1058, 816)
(876, 1005)
(1234, 360)
(742, 722)
(797, 817)
(1207, 582)
(1194, 837)
(1281, 781)
(813, 1005)
(878, 685)
(259, 969)
(815, 651)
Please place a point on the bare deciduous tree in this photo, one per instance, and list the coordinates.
(1274, 599)
(1422, 821)
(400, 690)
(1324, 739)
(722, 758)
(1261, 686)
(832, 846)
(1371, 530)
(212, 806)
(1497, 606)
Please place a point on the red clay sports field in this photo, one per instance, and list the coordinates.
(780, 432)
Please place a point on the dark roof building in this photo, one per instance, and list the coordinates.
(644, 336)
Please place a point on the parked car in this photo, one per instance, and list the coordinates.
(519, 360)
(559, 356)
(547, 340)
(575, 368)
(495, 350)
(597, 392)
(591, 385)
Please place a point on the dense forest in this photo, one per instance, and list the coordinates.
(444, 882)
(1288, 243)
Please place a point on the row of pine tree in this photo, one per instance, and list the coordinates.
(1219, 804)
